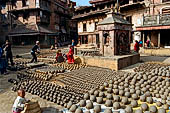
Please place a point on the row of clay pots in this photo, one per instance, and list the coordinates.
(87, 78)
(70, 66)
(49, 91)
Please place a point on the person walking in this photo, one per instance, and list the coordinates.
(148, 42)
(136, 46)
(8, 50)
(35, 49)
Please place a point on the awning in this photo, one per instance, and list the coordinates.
(24, 34)
(63, 31)
(30, 30)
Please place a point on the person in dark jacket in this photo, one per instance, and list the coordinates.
(34, 50)
(3, 63)
(7, 49)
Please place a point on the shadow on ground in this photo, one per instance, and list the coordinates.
(145, 58)
(50, 110)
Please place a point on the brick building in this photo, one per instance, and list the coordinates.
(156, 24)
(137, 12)
(46, 20)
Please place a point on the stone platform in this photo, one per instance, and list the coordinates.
(114, 63)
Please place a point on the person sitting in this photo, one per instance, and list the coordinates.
(136, 46)
(59, 57)
(70, 57)
(19, 103)
(140, 43)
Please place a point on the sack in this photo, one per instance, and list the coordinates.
(32, 107)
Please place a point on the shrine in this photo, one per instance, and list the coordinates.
(114, 34)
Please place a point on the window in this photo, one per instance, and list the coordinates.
(96, 23)
(25, 3)
(106, 39)
(108, 5)
(129, 19)
(165, 1)
(124, 2)
(84, 27)
(102, 7)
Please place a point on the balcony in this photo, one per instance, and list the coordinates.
(156, 20)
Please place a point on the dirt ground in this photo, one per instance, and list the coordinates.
(7, 97)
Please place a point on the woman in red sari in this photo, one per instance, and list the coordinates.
(136, 47)
(70, 56)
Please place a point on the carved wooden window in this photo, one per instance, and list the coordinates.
(96, 23)
(84, 27)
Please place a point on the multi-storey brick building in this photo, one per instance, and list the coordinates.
(44, 20)
(156, 24)
(137, 12)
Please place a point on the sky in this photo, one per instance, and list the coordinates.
(82, 2)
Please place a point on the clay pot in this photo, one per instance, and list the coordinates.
(73, 108)
(109, 96)
(149, 100)
(159, 104)
(109, 90)
(96, 93)
(161, 110)
(116, 106)
(99, 100)
(97, 109)
(108, 111)
(108, 103)
(144, 107)
(138, 111)
(127, 94)
(153, 109)
(101, 94)
(86, 96)
(166, 106)
(135, 96)
(124, 100)
(82, 103)
(79, 110)
(116, 98)
(89, 105)
(134, 103)
(93, 98)
(128, 109)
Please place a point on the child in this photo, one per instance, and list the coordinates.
(19, 102)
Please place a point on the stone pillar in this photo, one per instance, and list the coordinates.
(101, 42)
(159, 39)
(143, 39)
